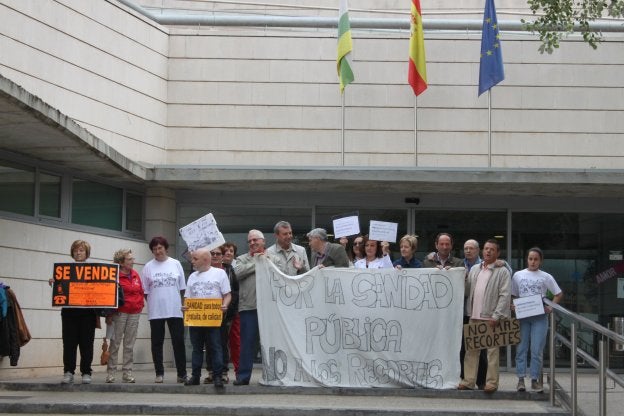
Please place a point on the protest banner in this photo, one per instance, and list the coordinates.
(480, 335)
(202, 232)
(340, 327)
(202, 312)
(85, 285)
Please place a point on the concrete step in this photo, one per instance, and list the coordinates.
(48, 396)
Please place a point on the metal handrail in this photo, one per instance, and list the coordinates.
(601, 364)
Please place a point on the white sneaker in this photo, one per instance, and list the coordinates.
(128, 378)
(158, 379)
(68, 378)
(110, 378)
(86, 379)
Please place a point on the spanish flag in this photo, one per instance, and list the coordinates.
(417, 74)
(345, 45)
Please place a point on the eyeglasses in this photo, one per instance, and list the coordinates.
(358, 243)
(216, 253)
(253, 240)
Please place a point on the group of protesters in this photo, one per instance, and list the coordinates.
(219, 274)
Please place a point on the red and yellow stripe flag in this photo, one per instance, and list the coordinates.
(417, 74)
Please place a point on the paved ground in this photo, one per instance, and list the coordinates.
(46, 395)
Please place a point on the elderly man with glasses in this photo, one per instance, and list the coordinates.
(245, 271)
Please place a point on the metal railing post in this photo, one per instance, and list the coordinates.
(551, 352)
(573, 379)
(602, 382)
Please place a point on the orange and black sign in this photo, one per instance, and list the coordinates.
(85, 285)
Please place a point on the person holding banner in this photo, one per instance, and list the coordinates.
(442, 257)
(207, 282)
(533, 329)
(488, 299)
(355, 252)
(245, 270)
(408, 244)
(78, 327)
(163, 283)
(289, 258)
(324, 253)
(126, 317)
(374, 257)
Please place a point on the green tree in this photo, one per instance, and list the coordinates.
(557, 18)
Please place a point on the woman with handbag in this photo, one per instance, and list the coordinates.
(126, 317)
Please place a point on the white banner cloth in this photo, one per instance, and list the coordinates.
(339, 327)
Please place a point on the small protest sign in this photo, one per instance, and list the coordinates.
(202, 232)
(202, 312)
(479, 334)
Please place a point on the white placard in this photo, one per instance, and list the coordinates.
(620, 288)
(529, 306)
(346, 327)
(346, 226)
(202, 232)
(383, 231)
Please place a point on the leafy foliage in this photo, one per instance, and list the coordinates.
(557, 18)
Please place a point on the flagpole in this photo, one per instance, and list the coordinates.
(342, 129)
(415, 131)
(490, 128)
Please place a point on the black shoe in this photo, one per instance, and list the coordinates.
(192, 381)
(241, 382)
(218, 383)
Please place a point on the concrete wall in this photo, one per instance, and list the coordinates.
(236, 96)
(27, 254)
(97, 63)
(245, 97)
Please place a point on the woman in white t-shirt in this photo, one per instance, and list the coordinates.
(533, 330)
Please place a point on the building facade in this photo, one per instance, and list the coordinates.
(116, 128)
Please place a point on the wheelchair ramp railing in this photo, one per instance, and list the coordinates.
(570, 339)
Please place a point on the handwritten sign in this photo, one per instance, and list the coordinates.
(383, 231)
(346, 226)
(480, 335)
(529, 306)
(85, 285)
(202, 232)
(202, 312)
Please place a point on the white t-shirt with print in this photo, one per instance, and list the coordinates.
(211, 284)
(162, 283)
(528, 283)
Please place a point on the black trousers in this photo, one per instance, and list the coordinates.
(176, 330)
(78, 331)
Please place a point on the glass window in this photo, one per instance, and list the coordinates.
(134, 212)
(17, 186)
(50, 195)
(96, 204)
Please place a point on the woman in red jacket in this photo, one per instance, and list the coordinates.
(126, 318)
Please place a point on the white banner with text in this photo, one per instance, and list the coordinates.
(339, 327)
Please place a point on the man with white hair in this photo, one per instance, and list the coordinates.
(324, 253)
(245, 271)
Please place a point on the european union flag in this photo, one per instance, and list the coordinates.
(491, 65)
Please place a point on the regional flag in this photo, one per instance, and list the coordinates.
(491, 64)
(345, 46)
(417, 73)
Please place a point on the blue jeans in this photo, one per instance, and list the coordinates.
(533, 331)
(211, 337)
(248, 334)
